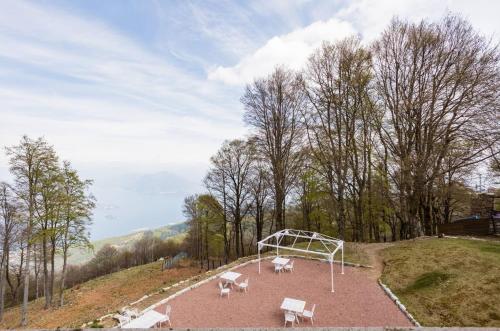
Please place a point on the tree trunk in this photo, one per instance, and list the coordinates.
(63, 277)
(46, 277)
(26, 283)
(237, 235)
(52, 271)
(3, 270)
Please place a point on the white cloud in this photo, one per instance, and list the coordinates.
(366, 18)
(291, 49)
(370, 18)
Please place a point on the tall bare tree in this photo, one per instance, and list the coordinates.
(260, 193)
(339, 128)
(272, 109)
(439, 85)
(10, 213)
(231, 168)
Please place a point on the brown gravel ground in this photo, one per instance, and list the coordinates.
(358, 299)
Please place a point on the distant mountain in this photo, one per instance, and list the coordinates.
(175, 231)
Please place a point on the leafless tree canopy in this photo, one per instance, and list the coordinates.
(438, 84)
(272, 110)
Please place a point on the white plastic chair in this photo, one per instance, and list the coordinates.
(122, 319)
(309, 314)
(223, 290)
(278, 267)
(243, 285)
(131, 313)
(168, 309)
(289, 267)
(290, 317)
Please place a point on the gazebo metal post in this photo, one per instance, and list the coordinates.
(342, 258)
(258, 254)
(277, 247)
(331, 270)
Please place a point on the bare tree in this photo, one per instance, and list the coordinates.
(439, 85)
(9, 214)
(272, 109)
(339, 125)
(260, 191)
(231, 169)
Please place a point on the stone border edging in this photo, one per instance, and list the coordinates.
(398, 303)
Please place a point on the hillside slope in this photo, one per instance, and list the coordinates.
(100, 296)
(446, 282)
(174, 231)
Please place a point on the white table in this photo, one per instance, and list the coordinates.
(145, 321)
(230, 276)
(280, 260)
(293, 305)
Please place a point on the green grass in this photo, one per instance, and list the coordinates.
(426, 280)
(446, 282)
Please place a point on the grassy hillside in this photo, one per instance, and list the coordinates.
(446, 282)
(95, 298)
(174, 231)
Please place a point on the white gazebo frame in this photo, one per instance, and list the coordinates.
(331, 245)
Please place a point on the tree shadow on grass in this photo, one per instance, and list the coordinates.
(427, 280)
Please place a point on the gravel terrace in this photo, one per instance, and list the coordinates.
(358, 299)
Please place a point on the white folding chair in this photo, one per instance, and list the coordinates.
(168, 310)
(131, 313)
(289, 267)
(243, 285)
(223, 290)
(290, 317)
(122, 320)
(278, 267)
(309, 314)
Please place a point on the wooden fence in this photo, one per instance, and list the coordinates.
(212, 263)
(480, 227)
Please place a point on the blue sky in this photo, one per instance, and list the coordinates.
(139, 94)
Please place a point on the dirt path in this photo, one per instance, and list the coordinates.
(376, 261)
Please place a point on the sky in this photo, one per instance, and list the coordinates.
(139, 94)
